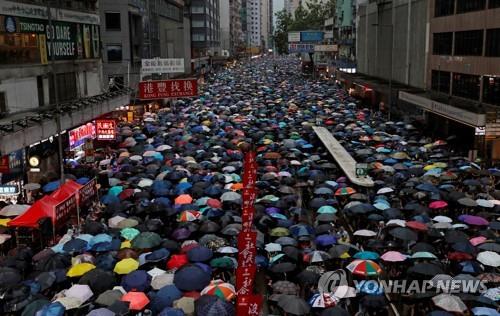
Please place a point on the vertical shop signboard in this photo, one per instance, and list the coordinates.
(105, 129)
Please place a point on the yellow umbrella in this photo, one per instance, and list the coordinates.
(429, 167)
(279, 232)
(126, 244)
(4, 221)
(126, 266)
(345, 255)
(79, 269)
(440, 164)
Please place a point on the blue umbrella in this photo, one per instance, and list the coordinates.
(200, 254)
(485, 311)
(101, 312)
(160, 188)
(102, 247)
(110, 199)
(51, 186)
(82, 180)
(426, 187)
(366, 255)
(138, 280)
(165, 297)
(301, 230)
(209, 305)
(100, 238)
(105, 261)
(326, 240)
(53, 309)
(157, 255)
(169, 311)
(75, 245)
(191, 278)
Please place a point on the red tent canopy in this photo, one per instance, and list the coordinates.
(45, 207)
(41, 208)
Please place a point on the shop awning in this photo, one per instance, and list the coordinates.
(40, 209)
(66, 190)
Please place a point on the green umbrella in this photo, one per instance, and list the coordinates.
(223, 262)
(327, 209)
(129, 233)
(146, 240)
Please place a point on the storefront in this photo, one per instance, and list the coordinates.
(12, 175)
(473, 136)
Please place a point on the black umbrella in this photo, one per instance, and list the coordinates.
(427, 269)
(99, 280)
(283, 267)
(9, 276)
(307, 277)
(403, 233)
(334, 311)
(454, 236)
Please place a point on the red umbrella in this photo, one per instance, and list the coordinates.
(177, 261)
(416, 225)
(459, 256)
(438, 204)
(125, 194)
(137, 300)
(214, 203)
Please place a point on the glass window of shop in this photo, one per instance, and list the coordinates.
(491, 90)
(441, 81)
(19, 48)
(468, 43)
(492, 43)
(444, 7)
(442, 43)
(464, 6)
(66, 87)
(112, 21)
(466, 86)
(114, 53)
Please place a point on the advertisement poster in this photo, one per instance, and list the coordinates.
(78, 135)
(105, 129)
(86, 41)
(64, 210)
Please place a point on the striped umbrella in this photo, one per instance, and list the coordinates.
(345, 191)
(364, 268)
(189, 216)
(221, 289)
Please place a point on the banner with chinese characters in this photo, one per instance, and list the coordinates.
(87, 193)
(249, 305)
(64, 210)
(105, 129)
(249, 191)
(162, 65)
(161, 89)
(247, 249)
(245, 280)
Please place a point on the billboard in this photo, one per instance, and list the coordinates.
(78, 135)
(293, 37)
(160, 89)
(162, 65)
(300, 48)
(311, 36)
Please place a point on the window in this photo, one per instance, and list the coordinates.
(442, 43)
(198, 37)
(114, 52)
(444, 7)
(198, 9)
(470, 5)
(466, 86)
(116, 83)
(66, 87)
(198, 23)
(113, 21)
(19, 48)
(441, 81)
(469, 43)
(492, 43)
(3, 104)
(491, 90)
(494, 4)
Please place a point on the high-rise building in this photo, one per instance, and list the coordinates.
(266, 23)
(51, 78)
(230, 25)
(205, 32)
(253, 11)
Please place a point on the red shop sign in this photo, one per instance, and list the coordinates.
(78, 135)
(249, 305)
(105, 129)
(247, 249)
(4, 164)
(161, 89)
(245, 279)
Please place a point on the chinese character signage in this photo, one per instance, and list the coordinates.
(78, 135)
(160, 89)
(162, 65)
(249, 305)
(245, 280)
(64, 210)
(8, 189)
(87, 192)
(105, 129)
(314, 36)
(247, 247)
(300, 48)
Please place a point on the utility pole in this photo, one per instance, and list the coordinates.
(52, 33)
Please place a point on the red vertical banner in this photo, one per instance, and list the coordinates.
(247, 247)
(245, 278)
(249, 170)
(249, 305)
(247, 208)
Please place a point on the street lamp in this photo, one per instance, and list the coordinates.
(391, 26)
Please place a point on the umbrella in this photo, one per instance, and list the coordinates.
(489, 258)
(285, 287)
(334, 311)
(99, 280)
(322, 300)
(80, 269)
(403, 233)
(125, 266)
(165, 297)
(365, 233)
(14, 210)
(393, 256)
(137, 300)
(221, 289)
(191, 278)
(345, 191)
(209, 305)
(293, 305)
(81, 292)
(364, 267)
(146, 240)
(450, 303)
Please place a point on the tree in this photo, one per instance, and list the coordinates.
(311, 17)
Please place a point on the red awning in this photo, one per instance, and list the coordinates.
(45, 207)
(40, 209)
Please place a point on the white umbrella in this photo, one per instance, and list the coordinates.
(163, 148)
(449, 303)
(396, 222)
(113, 221)
(442, 219)
(485, 203)
(69, 302)
(156, 272)
(14, 210)
(162, 280)
(273, 247)
(4, 238)
(104, 162)
(136, 158)
(149, 153)
(385, 190)
(489, 258)
(81, 292)
(365, 233)
(227, 249)
(230, 197)
(145, 183)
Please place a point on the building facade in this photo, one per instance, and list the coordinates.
(266, 24)
(463, 73)
(254, 29)
(205, 32)
(230, 27)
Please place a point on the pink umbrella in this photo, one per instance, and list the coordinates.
(477, 240)
(438, 204)
(393, 256)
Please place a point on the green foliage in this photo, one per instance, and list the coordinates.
(310, 17)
